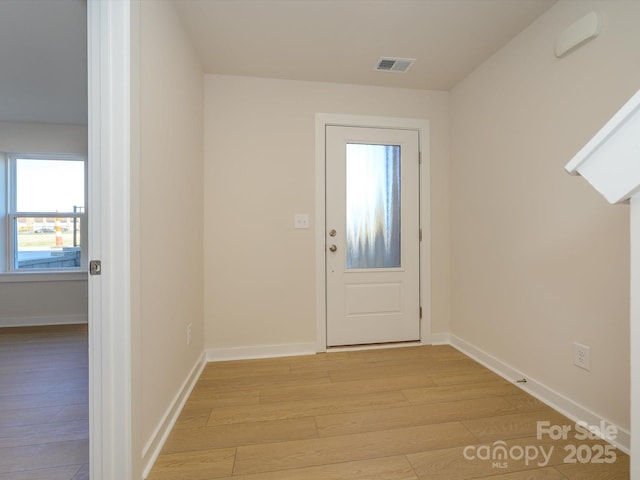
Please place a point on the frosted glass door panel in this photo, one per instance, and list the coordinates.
(373, 206)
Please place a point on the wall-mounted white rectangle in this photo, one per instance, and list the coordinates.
(373, 298)
(581, 356)
(301, 221)
(577, 34)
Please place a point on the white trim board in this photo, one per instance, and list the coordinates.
(545, 394)
(44, 320)
(609, 161)
(110, 325)
(261, 351)
(154, 445)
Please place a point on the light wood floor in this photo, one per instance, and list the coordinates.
(394, 414)
(44, 431)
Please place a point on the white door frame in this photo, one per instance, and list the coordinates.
(109, 56)
(322, 121)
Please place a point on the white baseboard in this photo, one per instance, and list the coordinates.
(44, 320)
(545, 394)
(154, 445)
(263, 351)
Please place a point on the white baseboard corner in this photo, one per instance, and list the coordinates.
(72, 319)
(262, 351)
(154, 445)
(545, 394)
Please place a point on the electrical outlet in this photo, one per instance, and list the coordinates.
(581, 356)
(189, 334)
(301, 220)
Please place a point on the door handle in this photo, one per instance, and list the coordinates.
(333, 248)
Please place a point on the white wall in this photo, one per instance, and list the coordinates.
(167, 213)
(43, 138)
(45, 301)
(259, 172)
(539, 259)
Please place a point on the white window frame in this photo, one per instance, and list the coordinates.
(12, 215)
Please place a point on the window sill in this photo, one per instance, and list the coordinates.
(40, 276)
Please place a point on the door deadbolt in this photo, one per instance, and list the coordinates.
(95, 267)
(332, 232)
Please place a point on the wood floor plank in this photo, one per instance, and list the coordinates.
(419, 366)
(445, 353)
(502, 427)
(200, 465)
(423, 414)
(19, 402)
(537, 474)
(481, 460)
(377, 371)
(305, 408)
(390, 354)
(478, 460)
(524, 402)
(70, 413)
(346, 448)
(206, 397)
(597, 471)
(30, 416)
(83, 474)
(263, 380)
(68, 472)
(441, 378)
(240, 368)
(35, 434)
(344, 389)
(320, 363)
(466, 391)
(386, 468)
(227, 436)
(191, 417)
(32, 457)
(19, 374)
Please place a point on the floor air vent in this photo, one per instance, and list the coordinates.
(393, 64)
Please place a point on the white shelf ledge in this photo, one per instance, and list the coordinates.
(610, 161)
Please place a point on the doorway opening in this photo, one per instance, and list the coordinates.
(43, 292)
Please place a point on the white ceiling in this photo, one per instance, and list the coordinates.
(43, 44)
(43, 66)
(341, 40)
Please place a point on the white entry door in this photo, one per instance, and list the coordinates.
(372, 235)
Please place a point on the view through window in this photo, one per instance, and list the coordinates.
(373, 206)
(47, 213)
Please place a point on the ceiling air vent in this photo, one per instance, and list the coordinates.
(393, 64)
